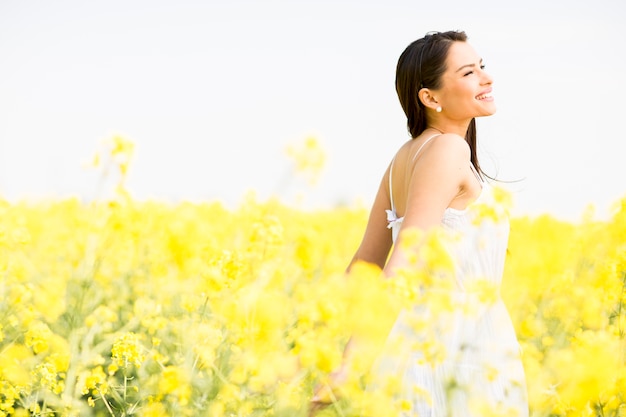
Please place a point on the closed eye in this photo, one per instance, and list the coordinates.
(482, 67)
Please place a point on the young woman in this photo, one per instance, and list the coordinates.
(435, 180)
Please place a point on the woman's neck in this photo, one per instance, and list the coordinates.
(449, 126)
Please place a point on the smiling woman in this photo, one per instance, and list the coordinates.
(457, 357)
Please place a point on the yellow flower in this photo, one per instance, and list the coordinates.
(15, 360)
(127, 350)
(47, 375)
(591, 367)
(154, 409)
(121, 146)
(405, 405)
(21, 236)
(496, 210)
(319, 351)
(309, 158)
(9, 394)
(251, 305)
(96, 382)
(38, 336)
(175, 381)
(112, 369)
(102, 314)
(486, 291)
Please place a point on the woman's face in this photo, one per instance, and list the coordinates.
(466, 88)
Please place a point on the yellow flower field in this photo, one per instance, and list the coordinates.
(121, 307)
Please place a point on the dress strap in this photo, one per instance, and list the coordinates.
(425, 142)
(390, 185)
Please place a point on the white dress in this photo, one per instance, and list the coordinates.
(481, 372)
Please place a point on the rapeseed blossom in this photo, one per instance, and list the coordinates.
(127, 351)
(309, 158)
(122, 307)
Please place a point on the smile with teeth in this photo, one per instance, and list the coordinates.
(484, 96)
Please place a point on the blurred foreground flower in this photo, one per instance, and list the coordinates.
(116, 153)
(192, 309)
(309, 158)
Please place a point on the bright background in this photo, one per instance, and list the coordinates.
(211, 93)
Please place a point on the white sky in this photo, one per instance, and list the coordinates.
(211, 92)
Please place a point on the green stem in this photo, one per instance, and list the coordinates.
(106, 403)
(125, 385)
(335, 402)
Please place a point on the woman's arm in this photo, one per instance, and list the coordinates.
(374, 248)
(376, 243)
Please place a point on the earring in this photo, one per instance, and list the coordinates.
(438, 109)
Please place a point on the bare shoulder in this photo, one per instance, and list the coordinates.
(437, 178)
(447, 149)
(448, 145)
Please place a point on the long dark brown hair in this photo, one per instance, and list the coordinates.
(421, 65)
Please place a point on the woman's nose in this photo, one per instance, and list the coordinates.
(486, 78)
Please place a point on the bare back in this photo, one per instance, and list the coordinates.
(412, 160)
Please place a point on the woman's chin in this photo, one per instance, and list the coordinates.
(489, 110)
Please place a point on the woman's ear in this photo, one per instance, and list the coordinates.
(428, 99)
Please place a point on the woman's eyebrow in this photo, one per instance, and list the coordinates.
(469, 65)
